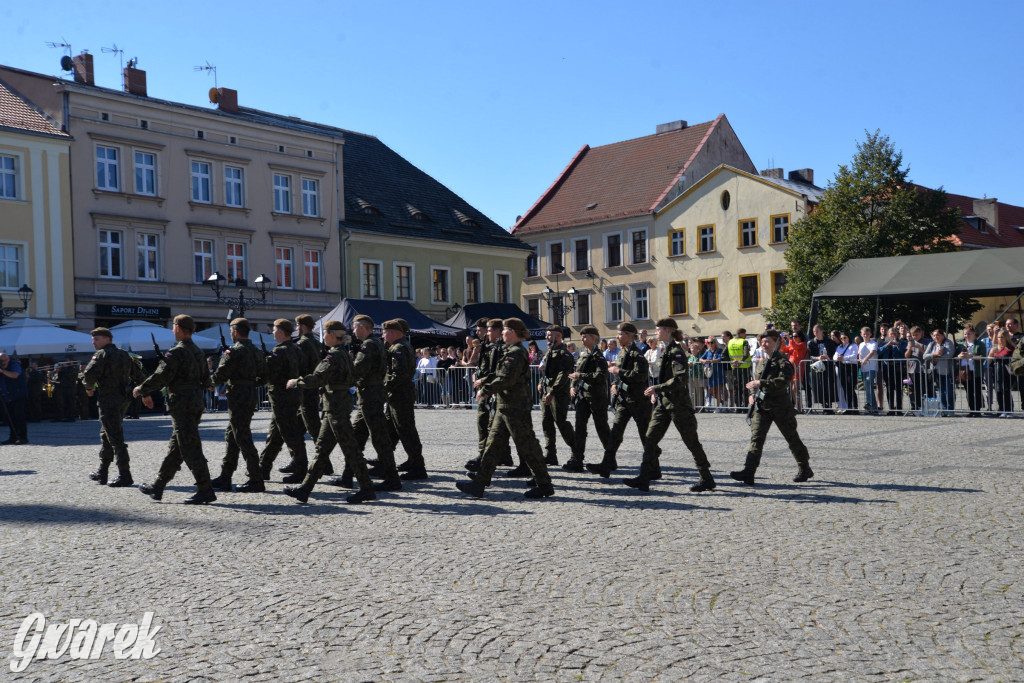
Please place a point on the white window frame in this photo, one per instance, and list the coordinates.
(586, 307)
(647, 246)
(536, 259)
(774, 219)
(498, 274)
(232, 261)
(201, 180)
(284, 265)
(604, 249)
(586, 266)
(145, 172)
(19, 261)
(105, 165)
(363, 292)
(142, 250)
(550, 270)
(448, 285)
(613, 298)
(677, 238)
(233, 186)
(530, 302)
(9, 176)
(107, 260)
(313, 268)
(636, 301)
(395, 265)
(202, 256)
(282, 193)
(479, 285)
(310, 197)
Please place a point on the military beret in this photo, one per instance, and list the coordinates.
(185, 322)
(335, 327)
(285, 324)
(481, 322)
(627, 327)
(590, 329)
(305, 319)
(554, 328)
(667, 322)
(405, 325)
(242, 325)
(102, 332)
(365, 319)
(517, 326)
(495, 323)
(393, 325)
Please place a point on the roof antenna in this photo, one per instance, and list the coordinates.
(208, 68)
(116, 50)
(66, 63)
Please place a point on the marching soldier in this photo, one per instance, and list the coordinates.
(631, 377)
(490, 354)
(241, 367)
(772, 403)
(401, 393)
(671, 394)
(111, 374)
(310, 353)
(285, 425)
(590, 388)
(369, 369)
(183, 371)
(335, 375)
(554, 390)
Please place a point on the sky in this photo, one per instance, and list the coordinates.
(494, 99)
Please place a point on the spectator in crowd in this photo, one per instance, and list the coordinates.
(653, 356)
(867, 352)
(573, 351)
(795, 347)
(533, 352)
(611, 354)
(891, 353)
(641, 343)
(714, 372)
(445, 360)
(822, 385)
(847, 358)
(1002, 349)
(942, 355)
(1013, 329)
(736, 355)
(426, 376)
(14, 392)
(915, 367)
(698, 382)
(972, 352)
(602, 346)
(987, 366)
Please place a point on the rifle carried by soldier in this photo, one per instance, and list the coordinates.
(759, 396)
(156, 347)
(223, 344)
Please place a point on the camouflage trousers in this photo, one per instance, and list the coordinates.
(554, 420)
(515, 424)
(285, 428)
(185, 445)
(401, 419)
(585, 409)
(682, 417)
(628, 408)
(370, 421)
(309, 411)
(786, 422)
(112, 446)
(336, 430)
(238, 435)
(484, 416)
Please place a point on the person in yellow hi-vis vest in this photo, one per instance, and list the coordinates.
(737, 355)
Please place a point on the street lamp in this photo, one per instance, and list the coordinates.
(25, 294)
(452, 310)
(217, 283)
(557, 304)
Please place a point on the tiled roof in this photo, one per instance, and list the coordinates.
(17, 113)
(386, 194)
(1011, 222)
(615, 181)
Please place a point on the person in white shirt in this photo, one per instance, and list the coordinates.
(653, 356)
(847, 359)
(868, 355)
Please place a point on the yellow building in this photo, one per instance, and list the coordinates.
(35, 205)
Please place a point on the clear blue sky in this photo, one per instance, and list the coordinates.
(493, 99)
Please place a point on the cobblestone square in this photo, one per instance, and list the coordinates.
(900, 560)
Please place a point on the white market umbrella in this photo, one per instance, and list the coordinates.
(32, 337)
(225, 328)
(135, 336)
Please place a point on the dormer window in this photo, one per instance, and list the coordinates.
(465, 220)
(415, 213)
(366, 208)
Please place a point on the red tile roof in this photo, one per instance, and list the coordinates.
(1010, 219)
(19, 114)
(615, 181)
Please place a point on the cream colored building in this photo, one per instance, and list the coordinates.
(35, 210)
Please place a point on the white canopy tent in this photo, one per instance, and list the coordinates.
(137, 336)
(225, 329)
(32, 337)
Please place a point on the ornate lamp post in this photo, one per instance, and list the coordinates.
(217, 282)
(25, 294)
(556, 302)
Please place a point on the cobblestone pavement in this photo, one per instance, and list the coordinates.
(900, 560)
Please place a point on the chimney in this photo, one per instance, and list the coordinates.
(669, 127)
(83, 69)
(228, 100)
(773, 173)
(802, 175)
(989, 210)
(135, 81)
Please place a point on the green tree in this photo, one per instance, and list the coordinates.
(868, 210)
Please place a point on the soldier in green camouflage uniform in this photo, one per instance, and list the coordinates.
(400, 369)
(285, 424)
(185, 374)
(773, 404)
(335, 375)
(631, 373)
(490, 353)
(673, 405)
(241, 368)
(111, 374)
(369, 369)
(590, 387)
(513, 418)
(554, 392)
(67, 391)
(310, 353)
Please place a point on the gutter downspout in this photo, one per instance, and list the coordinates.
(342, 238)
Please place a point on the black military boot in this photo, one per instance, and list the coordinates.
(638, 483)
(746, 475)
(287, 469)
(154, 491)
(506, 460)
(265, 470)
(804, 473)
(330, 467)
(551, 459)
(297, 492)
(388, 485)
(521, 471)
(473, 465)
(406, 466)
(251, 487)
(362, 496)
(601, 469)
(201, 497)
(545, 491)
(472, 487)
(100, 475)
(705, 483)
(573, 464)
(124, 478)
(344, 481)
(222, 482)
(295, 477)
(414, 474)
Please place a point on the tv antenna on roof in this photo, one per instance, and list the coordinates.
(118, 51)
(66, 63)
(208, 68)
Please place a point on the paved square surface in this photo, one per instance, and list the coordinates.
(900, 560)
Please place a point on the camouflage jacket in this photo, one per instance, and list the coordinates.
(633, 374)
(400, 368)
(335, 374)
(775, 379)
(241, 366)
(557, 364)
(511, 381)
(112, 371)
(182, 370)
(673, 377)
(369, 364)
(593, 379)
(282, 365)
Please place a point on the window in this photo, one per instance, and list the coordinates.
(748, 233)
(613, 250)
(533, 307)
(615, 306)
(283, 266)
(707, 238)
(503, 288)
(370, 279)
(473, 286)
(10, 266)
(708, 295)
(725, 199)
(146, 251)
(202, 254)
(779, 280)
(750, 292)
(780, 228)
(236, 261)
(582, 309)
(403, 282)
(531, 262)
(311, 260)
(555, 264)
(107, 176)
(581, 254)
(310, 197)
(8, 178)
(145, 173)
(641, 307)
(201, 182)
(439, 281)
(677, 242)
(677, 298)
(282, 193)
(110, 253)
(233, 186)
(638, 246)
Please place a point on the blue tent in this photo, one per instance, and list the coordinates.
(380, 310)
(466, 318)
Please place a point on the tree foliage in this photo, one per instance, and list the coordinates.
(868, 210)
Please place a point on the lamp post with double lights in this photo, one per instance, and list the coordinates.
(25, 294)
(217, 283)
(556, 303)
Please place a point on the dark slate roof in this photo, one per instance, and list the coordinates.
(17, 113)
(386, 194)
(813, 192)
(1009, 232)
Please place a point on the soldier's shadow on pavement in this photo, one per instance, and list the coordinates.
(795, 493)
(65, 514)
(134, 430)
(621, 496)
(905, 488)
(14, 473)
